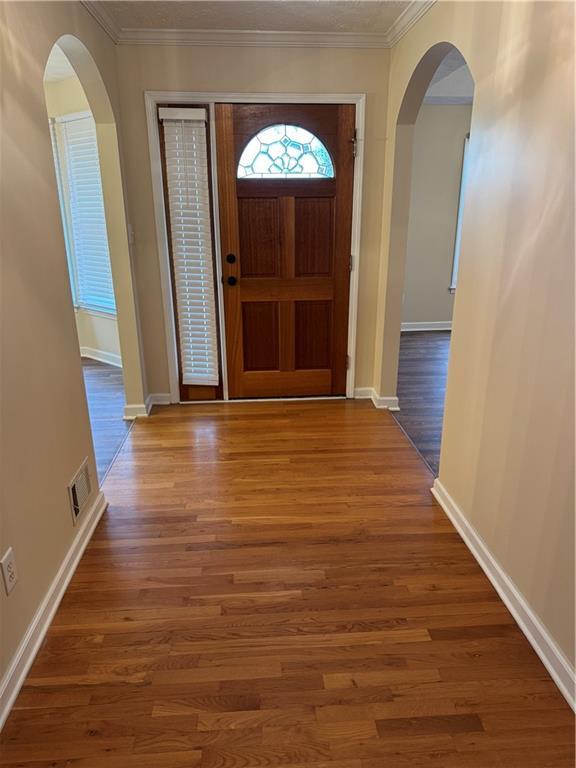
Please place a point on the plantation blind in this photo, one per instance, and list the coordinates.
(80, 187)
(187, 181)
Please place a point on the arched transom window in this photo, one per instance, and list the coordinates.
(285, 151)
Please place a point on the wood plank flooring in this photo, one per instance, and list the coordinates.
(105, 395)
(273, 585)
(422, 371)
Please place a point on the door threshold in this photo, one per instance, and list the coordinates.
(264, 400)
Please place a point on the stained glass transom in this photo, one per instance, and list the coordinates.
(284, 151)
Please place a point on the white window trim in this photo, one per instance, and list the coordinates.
(459, 215)
(152, 99)
(95, 312)
(71, 116)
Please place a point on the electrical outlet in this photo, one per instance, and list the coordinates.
(8, 564)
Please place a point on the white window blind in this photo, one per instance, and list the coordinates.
(82, 204)
(190, 224)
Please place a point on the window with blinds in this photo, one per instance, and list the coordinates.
(80, 190)
(187, 182)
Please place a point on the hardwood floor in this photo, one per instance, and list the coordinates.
(273, 585)
(422, 372)
(105, 394)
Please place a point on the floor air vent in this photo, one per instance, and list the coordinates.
(79, 490)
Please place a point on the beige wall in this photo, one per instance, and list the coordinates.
(508, 451)
(243, 70)
(65, 97)
(98, 336)
(45, 432)
(437, 164)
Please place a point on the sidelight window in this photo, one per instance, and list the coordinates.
(188, 187)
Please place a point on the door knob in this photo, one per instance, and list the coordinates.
(230, 258)
(232, 280)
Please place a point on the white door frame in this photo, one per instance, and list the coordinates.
(152, 99)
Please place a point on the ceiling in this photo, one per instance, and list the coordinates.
(263, 15)
(58, 67)
(370, 23)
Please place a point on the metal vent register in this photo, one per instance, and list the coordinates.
(79, 490)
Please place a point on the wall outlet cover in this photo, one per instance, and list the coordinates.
(9, 574)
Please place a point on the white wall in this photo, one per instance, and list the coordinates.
(436, 167)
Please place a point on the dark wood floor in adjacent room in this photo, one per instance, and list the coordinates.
(273, 585)
(105, 395)
(422, 371)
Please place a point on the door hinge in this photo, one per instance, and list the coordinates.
(354, 142)
(351, 263)
(347, 362)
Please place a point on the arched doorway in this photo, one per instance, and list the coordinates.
(82, 120)
(431, 139)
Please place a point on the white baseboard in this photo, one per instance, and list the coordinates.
(550, 653)
(363, 393)
(157, 398)
(134, 411)
(103, 357)
(233, 401)
(22, 661)
(390, 403)
(368, 393)
(164, 398)
(438, 325)
(143, 409)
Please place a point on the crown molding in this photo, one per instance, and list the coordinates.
(99, 12)
(251, 38)
(258, 38)
(407, 19)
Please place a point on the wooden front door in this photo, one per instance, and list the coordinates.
(286, 234)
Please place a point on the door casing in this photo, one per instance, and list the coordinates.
(152, 99)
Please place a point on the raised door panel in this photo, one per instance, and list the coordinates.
(313, 334)
(260, 335)
(259, 230)
(314, 236)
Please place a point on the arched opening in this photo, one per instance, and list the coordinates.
(431, 150)
(89, 181)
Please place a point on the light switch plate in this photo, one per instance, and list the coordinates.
(9, 574)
